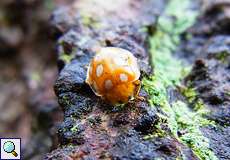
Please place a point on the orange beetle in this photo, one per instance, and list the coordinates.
(113, 74)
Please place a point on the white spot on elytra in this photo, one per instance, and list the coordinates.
(99, 70)
(108, 84)
(123, 77)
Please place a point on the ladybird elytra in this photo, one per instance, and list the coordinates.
(113, 74)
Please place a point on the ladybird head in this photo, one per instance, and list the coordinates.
(112, 73)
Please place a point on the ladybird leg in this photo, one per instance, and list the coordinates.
(141, 98)
(137, 90)
(137, 85)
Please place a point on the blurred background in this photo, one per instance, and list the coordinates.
(28, 106)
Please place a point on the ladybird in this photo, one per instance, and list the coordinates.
(113, 74)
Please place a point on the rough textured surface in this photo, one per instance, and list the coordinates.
(219, 140)
(210, 73)
(210, 76)
(94, 130)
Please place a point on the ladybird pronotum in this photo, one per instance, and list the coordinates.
(113, 74)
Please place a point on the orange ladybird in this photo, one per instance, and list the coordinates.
(113, 74)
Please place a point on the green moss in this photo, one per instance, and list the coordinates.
(199, 105)
(86, 20)
(75, 128)
(222, 56)
(192, 97)
(179, 158)
(158, 93)
(66, 100)
(189, 93)
(35, 76)
(66, 58)
(68, 55)
(189, 124)
(144, 29)
(159, 132)
(89, 21)
(228, 93)
(168, 72)
(49, 4)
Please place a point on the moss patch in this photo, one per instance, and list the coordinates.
(168, 72)
(75, 128)
(189, 124)
(66, 58)
(88, 21)
(192, 98)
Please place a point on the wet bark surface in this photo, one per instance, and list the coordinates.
(93, 129)
(96, 129)
(209, 50)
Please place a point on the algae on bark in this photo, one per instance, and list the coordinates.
(168, 72)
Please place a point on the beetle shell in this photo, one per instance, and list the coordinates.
(113, 74)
